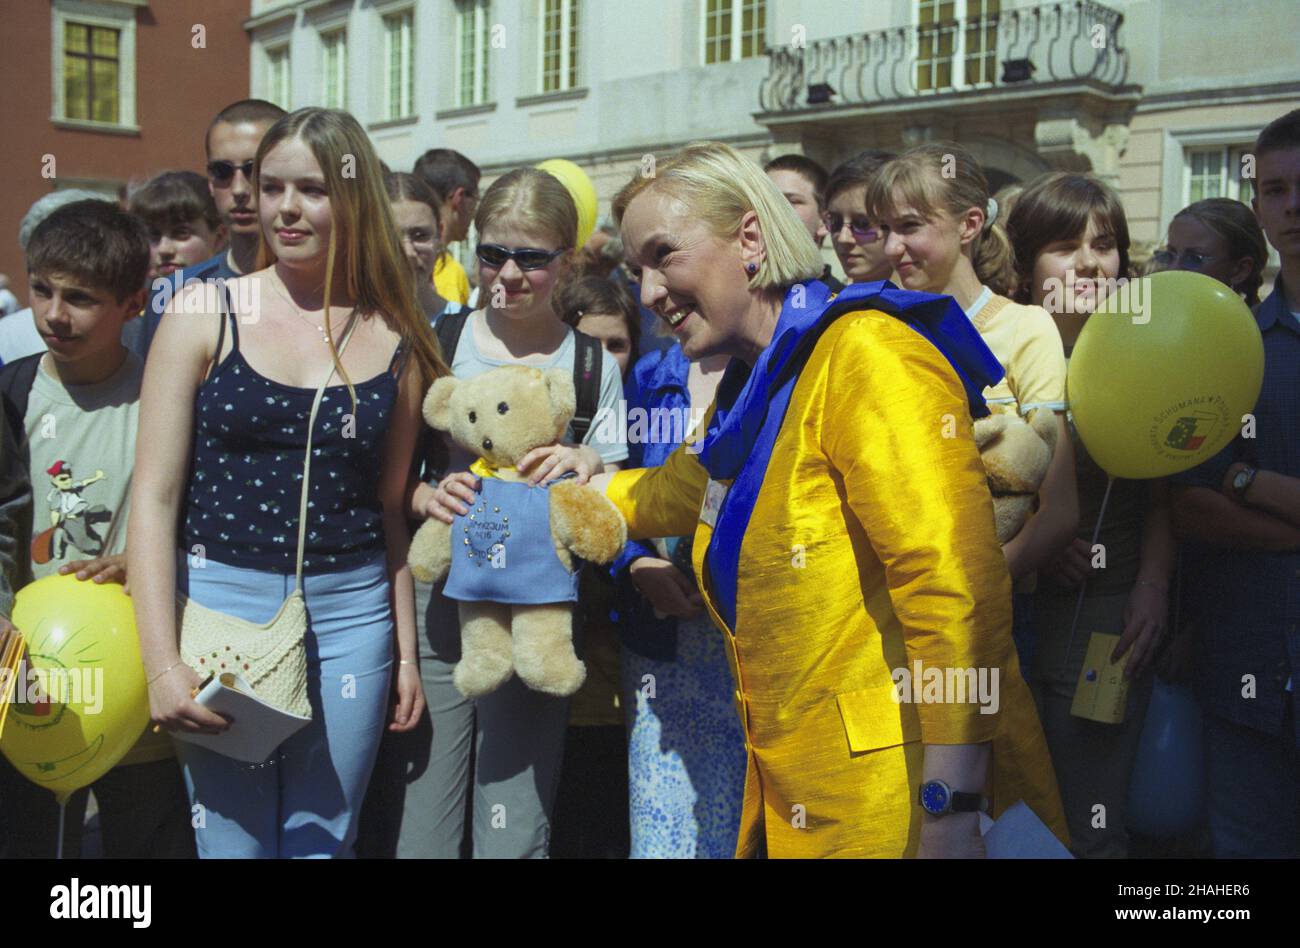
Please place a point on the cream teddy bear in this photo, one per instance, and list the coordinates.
(512, 560)
(1016, 456)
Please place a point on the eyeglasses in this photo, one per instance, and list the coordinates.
(863, 235)
(222, 172)
(419, 236)
(528, 258)
(1187, 260)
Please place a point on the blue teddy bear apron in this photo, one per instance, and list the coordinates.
(502, 550)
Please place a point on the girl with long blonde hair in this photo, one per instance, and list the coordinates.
(225, 411)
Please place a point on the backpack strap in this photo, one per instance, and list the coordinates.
(448, 327)
(431, 456)
(16, 380)
(587, 366)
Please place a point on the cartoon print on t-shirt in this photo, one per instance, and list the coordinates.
(72, 519)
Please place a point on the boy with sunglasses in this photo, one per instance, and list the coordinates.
(231, 147)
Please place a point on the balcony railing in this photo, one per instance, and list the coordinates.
(1076, 41)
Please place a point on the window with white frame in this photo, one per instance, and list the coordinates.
(559, 60)
(1215, 171)
(956, 44)
(473, 43)
(399, 65)
(93, 60)
(334, 69)
(277, 76)
(734, 29)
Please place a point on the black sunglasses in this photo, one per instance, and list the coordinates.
(222, 171)
(528, 258)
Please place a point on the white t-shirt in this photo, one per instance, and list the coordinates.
(82, 444)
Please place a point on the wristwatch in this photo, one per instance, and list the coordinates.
(1242, 480)
(939, 799)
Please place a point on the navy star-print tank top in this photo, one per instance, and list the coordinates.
(245, 481)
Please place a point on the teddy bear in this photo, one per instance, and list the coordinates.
(512, 560)
(1016, 454)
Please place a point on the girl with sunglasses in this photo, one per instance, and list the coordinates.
(528, 227)
(856, 239)
(941, 234)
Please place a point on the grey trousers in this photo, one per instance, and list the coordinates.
(419, 801)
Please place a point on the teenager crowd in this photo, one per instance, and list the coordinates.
(178, 461)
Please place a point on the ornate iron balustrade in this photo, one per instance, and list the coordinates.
(1074, 40)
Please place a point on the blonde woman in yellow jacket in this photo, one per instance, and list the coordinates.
(844, 536)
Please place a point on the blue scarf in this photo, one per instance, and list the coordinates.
(751, 403)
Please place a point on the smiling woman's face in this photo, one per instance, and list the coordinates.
(294, 203)
(690, 278)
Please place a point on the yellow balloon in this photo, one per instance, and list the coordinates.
(1162, 374)
(580, 188)
(83, 702)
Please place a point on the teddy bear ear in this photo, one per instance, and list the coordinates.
(564, 402)
(437, 403)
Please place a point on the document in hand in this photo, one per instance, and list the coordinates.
(1020, 834)
(256, 729)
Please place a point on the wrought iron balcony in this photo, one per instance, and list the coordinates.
(1071, 41)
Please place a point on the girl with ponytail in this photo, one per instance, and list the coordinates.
(943, 234)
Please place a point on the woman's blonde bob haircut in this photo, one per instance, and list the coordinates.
(719, 186)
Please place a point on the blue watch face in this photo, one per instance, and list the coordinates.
(934, 797)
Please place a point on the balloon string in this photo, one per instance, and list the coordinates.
(1083, 585)
(63, 808)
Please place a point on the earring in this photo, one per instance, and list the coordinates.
(751, 268)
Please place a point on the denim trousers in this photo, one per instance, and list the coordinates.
(1253, 789)
(305, 801)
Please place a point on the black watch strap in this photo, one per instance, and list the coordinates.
(966, 802)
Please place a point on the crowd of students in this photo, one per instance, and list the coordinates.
(182, 418)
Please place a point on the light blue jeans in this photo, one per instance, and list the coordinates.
(304, 802)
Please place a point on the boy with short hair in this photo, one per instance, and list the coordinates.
(801, 181)
(231, 146)
(1240, 513)
(184, 226)
(78, 406)
(454, 178)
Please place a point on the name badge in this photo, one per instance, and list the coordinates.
(713, 498)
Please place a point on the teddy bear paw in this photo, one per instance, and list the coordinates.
(557, 674)
(477, 675)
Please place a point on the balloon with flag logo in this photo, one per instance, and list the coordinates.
(80, 702)
(580, 188)
(1163, 374)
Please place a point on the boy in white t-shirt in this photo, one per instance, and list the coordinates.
(78, 404)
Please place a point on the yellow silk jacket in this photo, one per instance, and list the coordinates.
(871, 547)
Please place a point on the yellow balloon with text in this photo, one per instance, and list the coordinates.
(81, 702)
(1164, 374)
(580, 188)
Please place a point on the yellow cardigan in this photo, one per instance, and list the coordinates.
(871, 547)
